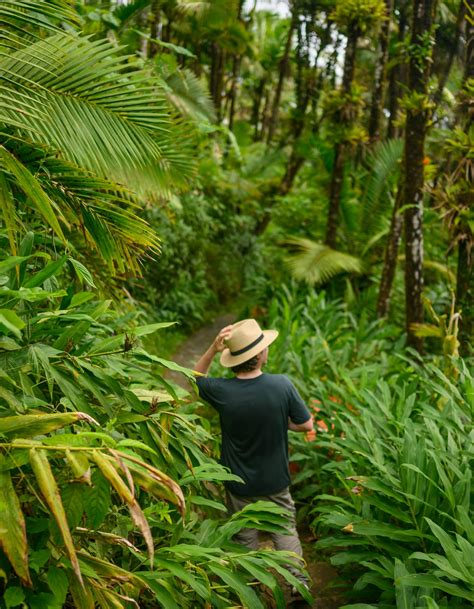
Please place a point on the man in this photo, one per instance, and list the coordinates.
(256, 410)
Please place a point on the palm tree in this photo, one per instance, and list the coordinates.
(85, 136)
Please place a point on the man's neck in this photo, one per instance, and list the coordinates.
(249, 375)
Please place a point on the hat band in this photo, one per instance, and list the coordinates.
(248, 347)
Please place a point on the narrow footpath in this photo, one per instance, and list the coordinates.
(324, 577)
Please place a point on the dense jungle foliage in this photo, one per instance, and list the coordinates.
(308, 163)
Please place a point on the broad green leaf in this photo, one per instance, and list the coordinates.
(12, 529)
(58, 583)
(10, 320)
(423, 580)
(82, 272)
(49, 489)
(48, 271)
(403, 593)
(97, 501)
(13, 597)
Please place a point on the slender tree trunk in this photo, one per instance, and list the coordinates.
(337, 177)
(217, 77)
(284, 64)
(377, 103)
(255, 118)
(416, 127)
(233, 90)
(155, 24)
(397, 76)
(465, 270)
(335, 190)
(465, 291)
(391, 254)
(265, 114)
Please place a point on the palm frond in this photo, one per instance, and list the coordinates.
(384, 162)
(100, 118)
(104, 214)
(16, 15)
(316, 263)
(189, 96)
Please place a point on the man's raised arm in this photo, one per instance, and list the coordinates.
(216, 346)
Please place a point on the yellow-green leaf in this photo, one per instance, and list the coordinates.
(49, 489)
(31, 425)
(12, 529)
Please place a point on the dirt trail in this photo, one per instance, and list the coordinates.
(324, 576)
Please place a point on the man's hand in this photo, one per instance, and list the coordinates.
(220, 340)
(217, 345)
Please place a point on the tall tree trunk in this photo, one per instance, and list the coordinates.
(284, 64)
(265, 119)
(465, 270)
(155, 24)
(337, 177)
(416, 126)
(377, 103)
(217, 77)
(255, 118)
(391, 254)
(397, 75)
(233, 90)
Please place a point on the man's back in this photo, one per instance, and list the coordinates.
(254, 421)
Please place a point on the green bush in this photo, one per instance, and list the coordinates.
(387, 479)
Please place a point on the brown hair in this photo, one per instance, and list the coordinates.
(246, 366)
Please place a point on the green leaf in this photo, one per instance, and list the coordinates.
(431, 581)
(238, 585)
(177, 570)
(13, 597)
(12, 529)
(97, 501)
(58, 583)
(11, 262)
(403, 593)
(48, 271)
(33, 189)
(10, 320)
(82, 272)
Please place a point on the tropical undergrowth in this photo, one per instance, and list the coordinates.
(385, 481)
(107, 473)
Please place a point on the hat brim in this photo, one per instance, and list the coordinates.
(228, 360)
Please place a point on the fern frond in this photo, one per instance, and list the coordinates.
(316, 263)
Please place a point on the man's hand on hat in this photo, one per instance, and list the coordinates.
(219, 341)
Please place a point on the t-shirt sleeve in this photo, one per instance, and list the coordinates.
(298, 411)
(205, 387)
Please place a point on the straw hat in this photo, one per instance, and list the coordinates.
(246, 341)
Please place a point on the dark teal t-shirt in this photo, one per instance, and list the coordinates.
(254, 422)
